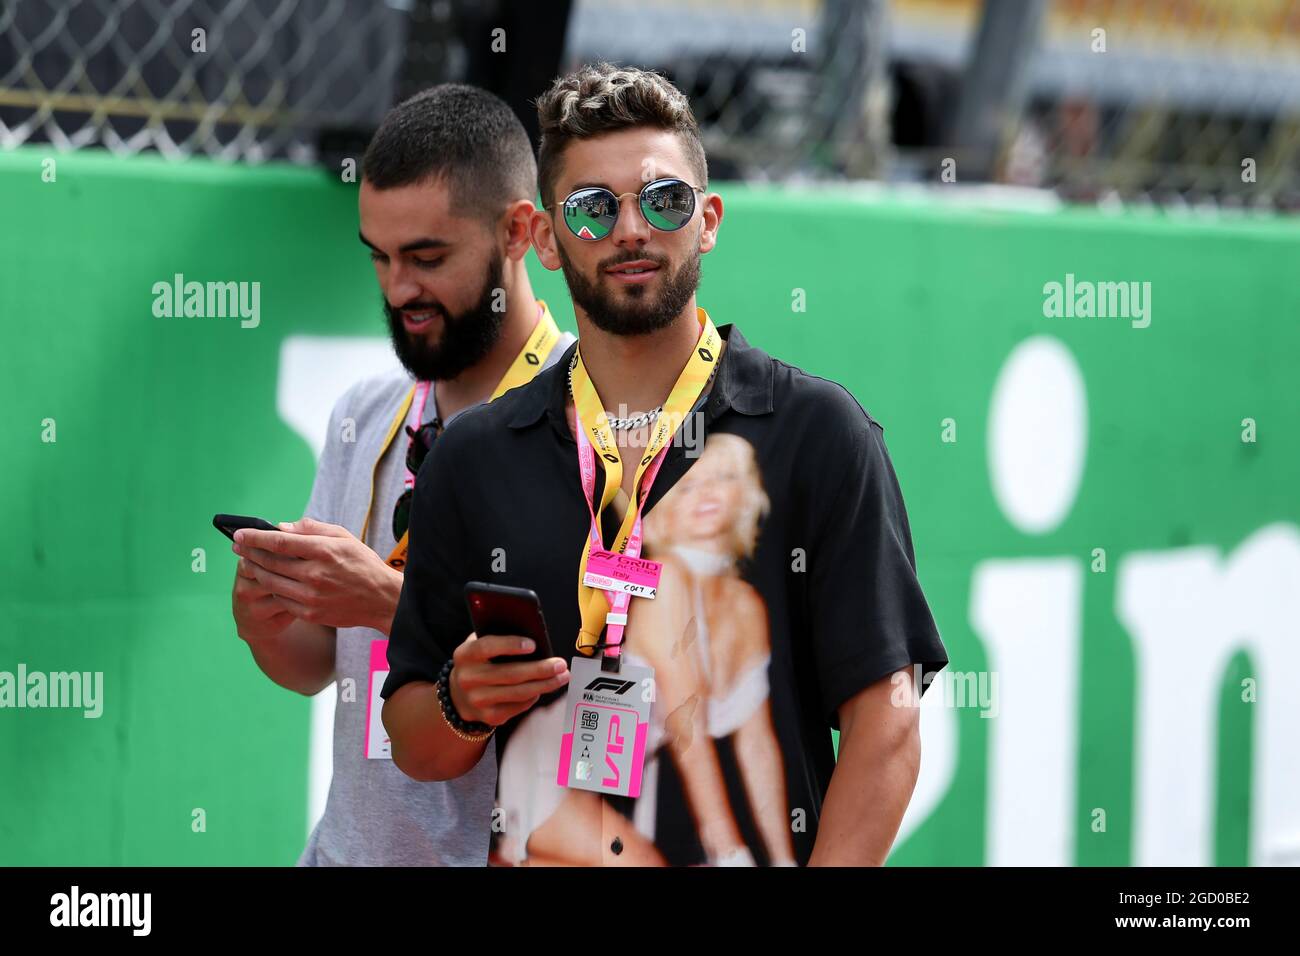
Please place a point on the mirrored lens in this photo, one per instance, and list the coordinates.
(668, 204)
(591, 213)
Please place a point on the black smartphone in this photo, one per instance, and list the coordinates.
(496, 609)
(229, 524)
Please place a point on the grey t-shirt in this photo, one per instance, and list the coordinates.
(376, 815)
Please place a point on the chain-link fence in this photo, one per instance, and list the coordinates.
(1172, 101)
(257, 79)
(1166, 101)
(239, 80)
(782, 88)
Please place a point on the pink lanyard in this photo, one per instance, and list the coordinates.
(417, 419)
(616, 619)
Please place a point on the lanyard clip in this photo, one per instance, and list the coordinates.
(610, 660)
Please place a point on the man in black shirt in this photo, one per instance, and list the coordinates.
(720, 596)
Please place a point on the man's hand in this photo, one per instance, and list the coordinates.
(424, 745)
(493, 693)
(259, 615)
(320, 573)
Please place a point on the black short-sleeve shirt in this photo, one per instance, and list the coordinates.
(789, 585)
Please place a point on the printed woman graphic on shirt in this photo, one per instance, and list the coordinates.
(705, 527)
(713, 790)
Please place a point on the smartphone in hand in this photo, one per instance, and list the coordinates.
(498, 610)
(229, 524)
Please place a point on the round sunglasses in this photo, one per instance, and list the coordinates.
(667, 205)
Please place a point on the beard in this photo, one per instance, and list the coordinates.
(633, 310)
(466, 339)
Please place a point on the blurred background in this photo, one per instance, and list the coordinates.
(1126, 101)
(1104, 508)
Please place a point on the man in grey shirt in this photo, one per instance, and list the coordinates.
(446, 195)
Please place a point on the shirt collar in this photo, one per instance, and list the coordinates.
(744, 384)
(746, 376)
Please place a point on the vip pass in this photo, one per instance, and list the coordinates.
(619, 424)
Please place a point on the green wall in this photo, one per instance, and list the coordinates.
(913, 305)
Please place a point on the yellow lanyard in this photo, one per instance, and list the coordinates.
(593, 602)
(530, 360)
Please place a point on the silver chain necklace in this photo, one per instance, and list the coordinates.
(618, 424)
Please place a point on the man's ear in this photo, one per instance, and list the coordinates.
(517, 221)
(711, 214)
(543, 232)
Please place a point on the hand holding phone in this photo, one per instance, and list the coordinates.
(496, 609)
(495, 678)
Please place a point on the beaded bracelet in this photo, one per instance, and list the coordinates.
(469, 730)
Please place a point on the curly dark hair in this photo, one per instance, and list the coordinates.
(603, 99)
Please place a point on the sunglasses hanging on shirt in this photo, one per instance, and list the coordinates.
(421, 442)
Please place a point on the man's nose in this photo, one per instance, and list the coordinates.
(631, 231)
(400, 286)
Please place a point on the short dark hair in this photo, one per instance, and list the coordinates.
(458, 132)
(604, 99)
